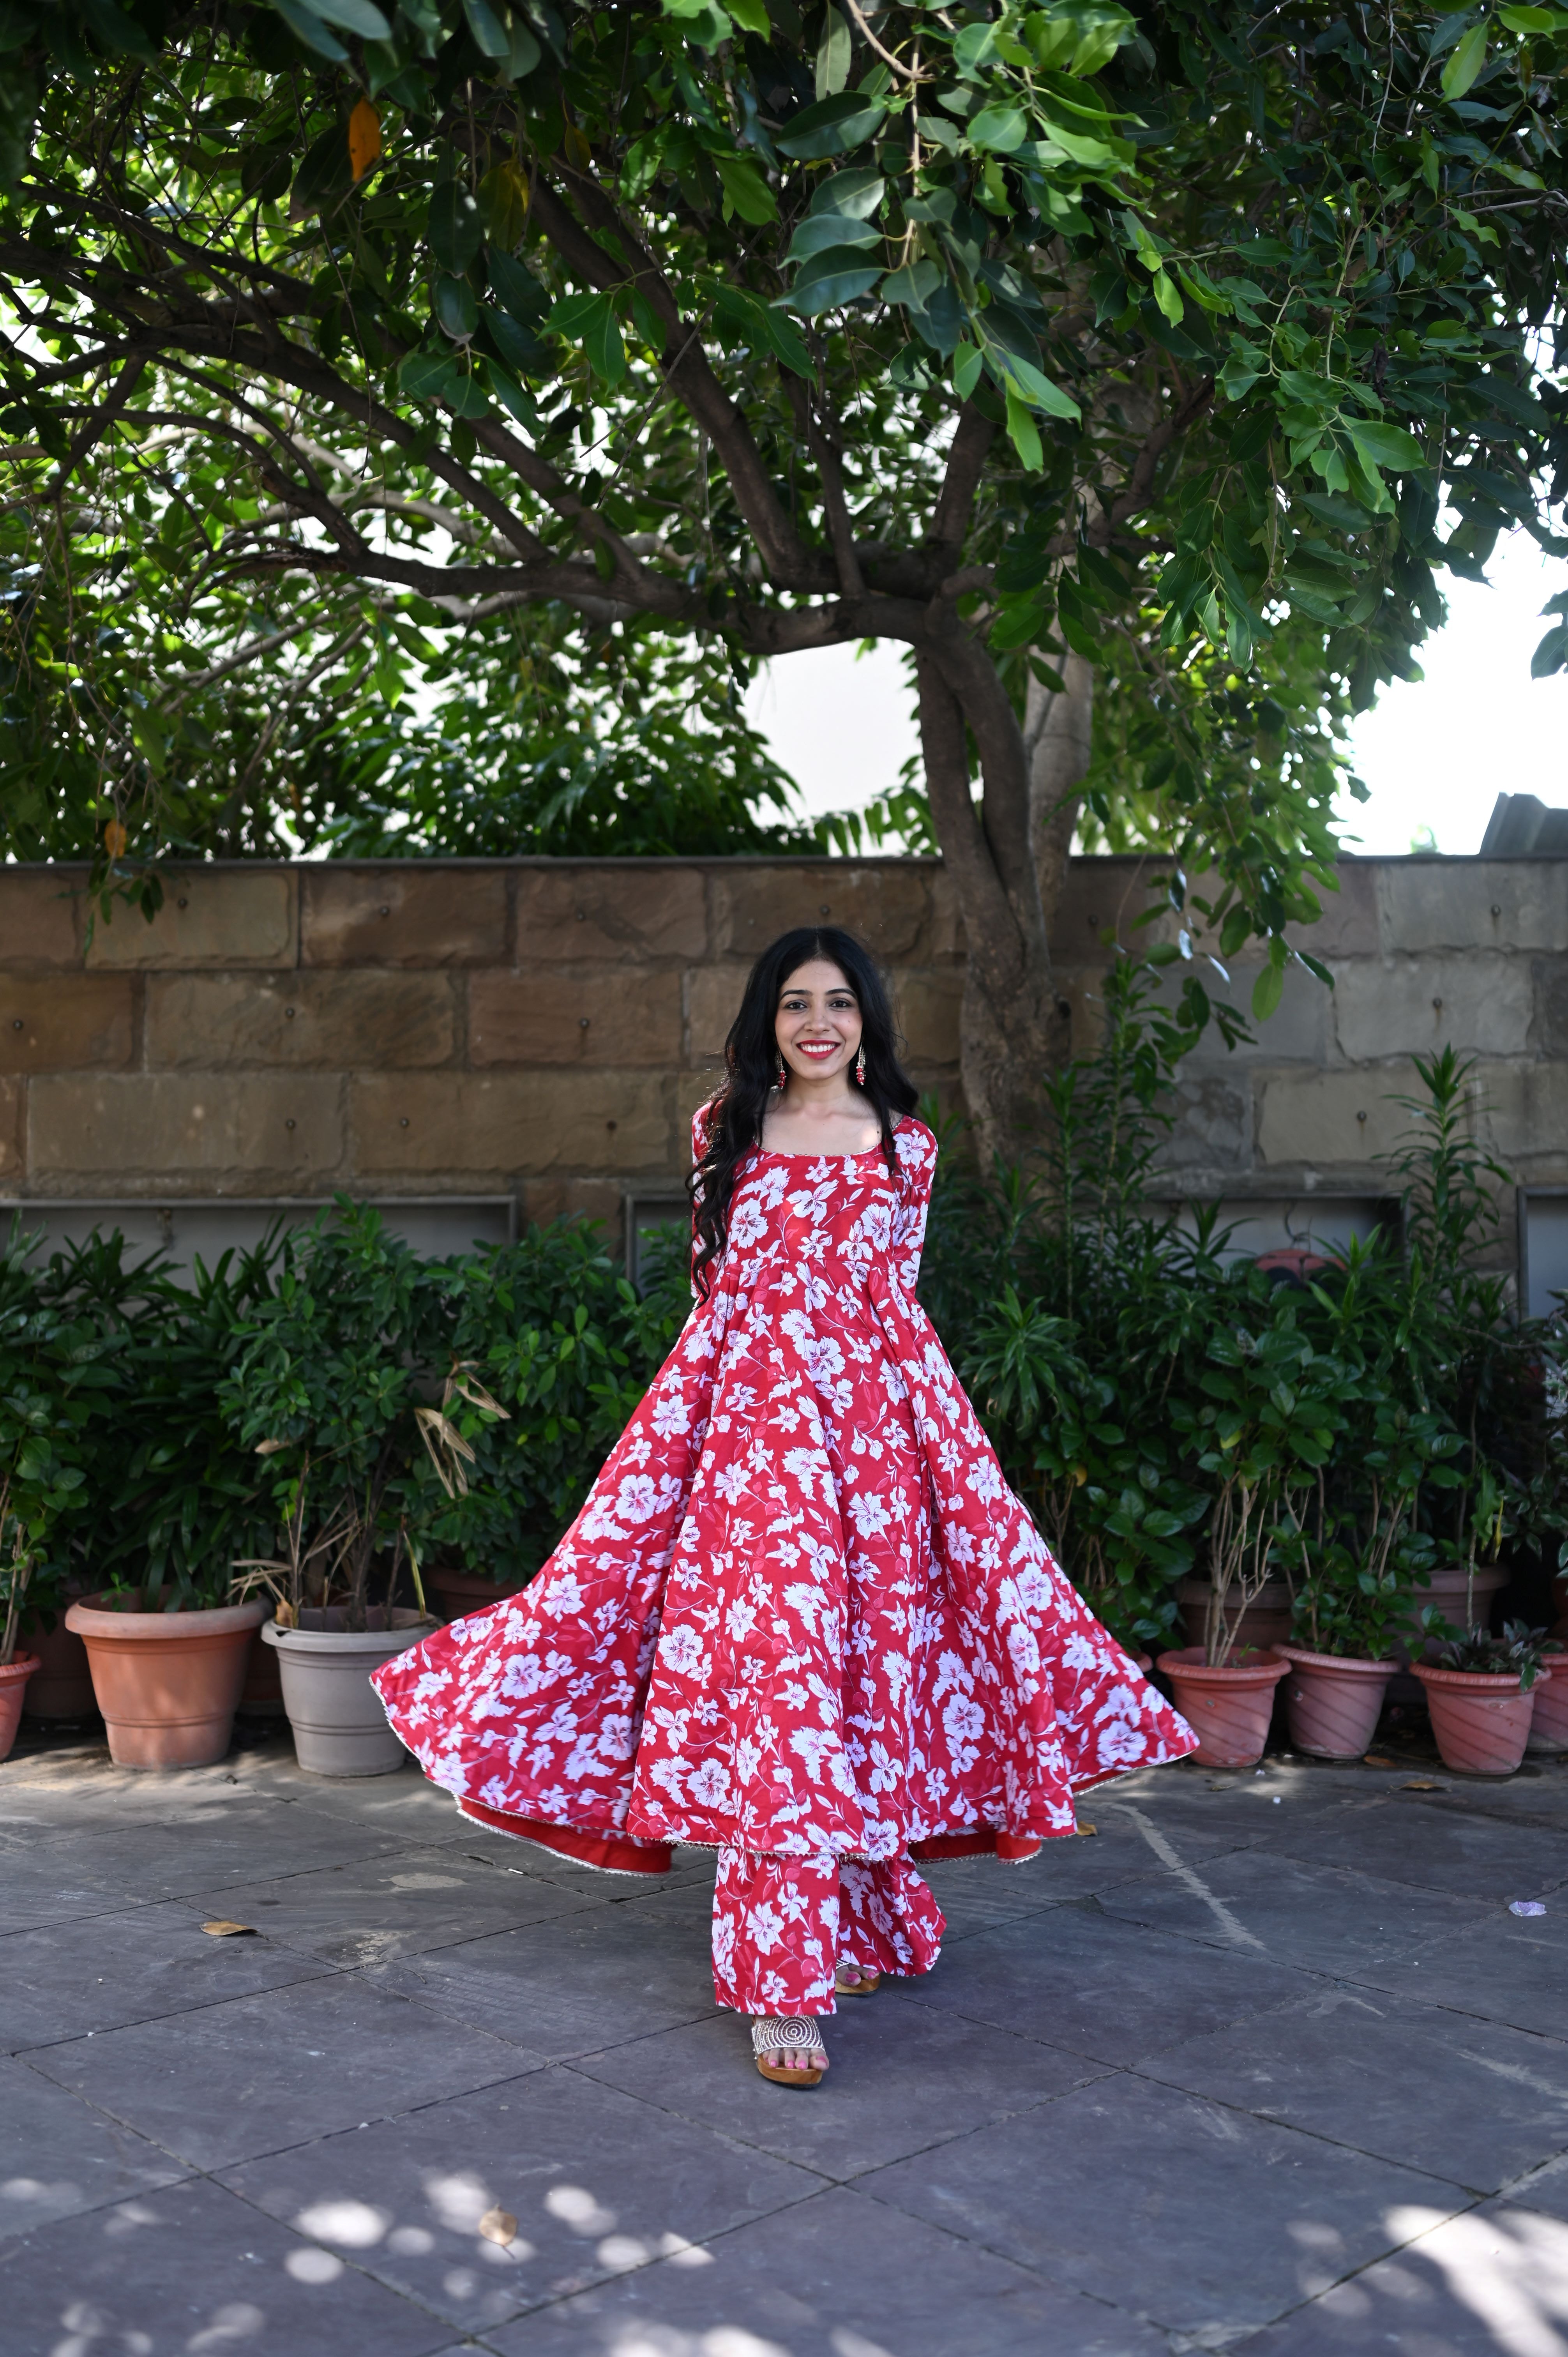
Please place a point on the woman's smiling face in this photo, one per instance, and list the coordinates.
(818, 1025)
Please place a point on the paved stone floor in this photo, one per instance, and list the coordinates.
(1266, 2064)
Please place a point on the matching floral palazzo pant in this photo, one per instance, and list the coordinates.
(783, 1925)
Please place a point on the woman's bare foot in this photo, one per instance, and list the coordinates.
(787, 2047)
(850, 1980)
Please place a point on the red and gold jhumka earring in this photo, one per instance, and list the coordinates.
(783, 1071)
(860, 1067)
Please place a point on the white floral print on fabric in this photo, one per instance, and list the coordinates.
(801, 1614)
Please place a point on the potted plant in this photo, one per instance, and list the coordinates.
(1549, 1721)
(1272, 1411)
(16, 1668)
(1341, 1658)
(1481, 1694)
(551, 1349)
(327, 1389)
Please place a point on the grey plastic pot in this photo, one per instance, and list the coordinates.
(339, 1727)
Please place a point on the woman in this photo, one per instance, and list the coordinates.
(801, 1618)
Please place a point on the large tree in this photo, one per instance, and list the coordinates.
(1186, 342)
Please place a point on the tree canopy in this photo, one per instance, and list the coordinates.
(1180, 346)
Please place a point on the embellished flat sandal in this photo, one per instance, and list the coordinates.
(865, 1984)
(771, 2039)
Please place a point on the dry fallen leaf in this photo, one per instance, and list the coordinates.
(499, 2226)
(1374, 1759)
(1420, 1784)
(1086, 1829)
(222, 1930)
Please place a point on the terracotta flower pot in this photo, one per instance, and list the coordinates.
(1480, 1721)
(1448, 1591)
(1333, 1701)
(1549, 1721)
(14, 1676)
(340, 1725)
(166, 1683)
(1229, 1710)
(1265, 1622)
(61, 1686)
(455, 1594)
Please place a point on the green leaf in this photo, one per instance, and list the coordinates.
(705, 23)
(490, 36)
(752, 15)
(308, 27)
(114, 30)
(1385, 446)
(967, 364)
(856, 194)
(517, 290)
(834, 126)
(1466, 62)
(1021, 376)
(839, 274)
(1267, 991)
(1169, 298)
(817, 232)
(427, 376)
(455, 309)
(454, 228)
(513, 346)
(1024, 434)
(1001, 128)
(833, 52)
(360, 16)
(748, 193)
(590, 320)
(1530, 20)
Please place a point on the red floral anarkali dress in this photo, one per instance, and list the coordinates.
(801, 1618)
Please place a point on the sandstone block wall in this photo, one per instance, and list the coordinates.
(544, 1030)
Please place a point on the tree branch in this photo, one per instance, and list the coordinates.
(686, 367)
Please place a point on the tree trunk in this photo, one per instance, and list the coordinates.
(1010, 1030)
(1059, 731)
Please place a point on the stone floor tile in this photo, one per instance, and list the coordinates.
(171, 1857)
(1509, 1968)
(902, 2077)
(263, 2073)
(1199, 2218)
(572, 1985)
(1235, 1807)
(59, 2157)
(65, 1979)
(196, 2270)
(1438, 1848)
(1320, 1918)
(1493, 2283)
(372, 1909)
(51, 1886)
(1472, 2102)
(1075, 1978)
(838, 2276)
(598, 2182)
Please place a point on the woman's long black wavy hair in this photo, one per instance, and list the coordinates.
(751, 1073)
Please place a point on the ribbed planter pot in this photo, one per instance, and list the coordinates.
(1480, 1721)
(61, 1685)
(1229, 1710)
(456, 1594)
(1265, 1622)
(166, 1683)
(14, 1676)
(1549, 1721)
(340, 1725)
(1448, 1591)
(1333, 1702)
